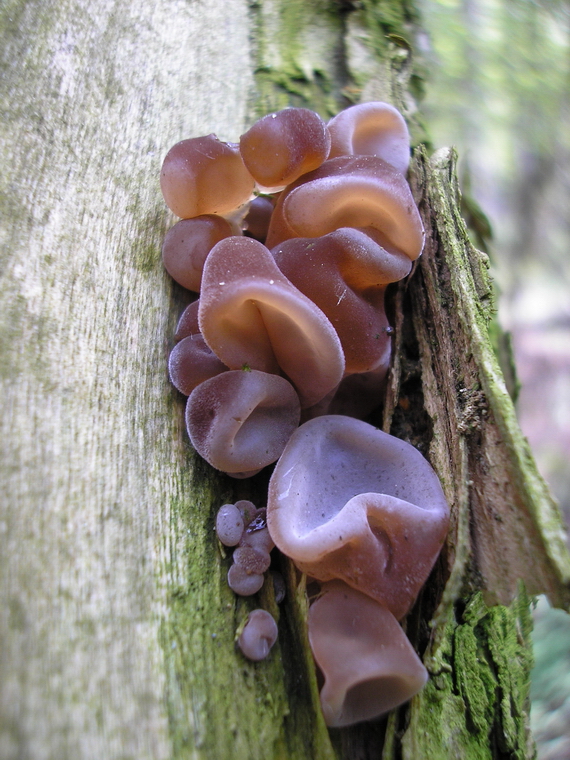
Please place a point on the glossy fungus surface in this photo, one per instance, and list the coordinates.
(229, 524)
(373, 129)
(368, 664)
(347, 501)
(240, 421)
(251, 315)
(359, 191)
(345, 274)
(203, 175)
(282, 146)
(258, 636)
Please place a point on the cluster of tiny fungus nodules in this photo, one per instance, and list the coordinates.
(291, 238)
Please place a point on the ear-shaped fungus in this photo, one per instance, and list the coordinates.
(373, 129)
(345, 273)
(187, 244)
(368, 664)
(258, 636)
(203, 175)
(191, 362)
(239, 421)
(282, 146)
(347, 501)
(360, 191)
(250, 314)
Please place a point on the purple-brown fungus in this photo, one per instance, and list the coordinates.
(258, 636)
(368, 664)
(347, 501)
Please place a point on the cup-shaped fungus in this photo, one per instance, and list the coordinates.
(258, 636)
(347, 501)
(251, 315)
(204, 175)
(368, 664)
(282, 146)
(239, 422)
(358, 191)
(372, 129)
(345, 273)
(187, 244)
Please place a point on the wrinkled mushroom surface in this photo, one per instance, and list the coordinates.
(345, 273)
(347, 501)
(358, 191)
(368, 664)
(239, 421)
(251, 315)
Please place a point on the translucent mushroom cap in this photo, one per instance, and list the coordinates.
(239, 422)
(357, 191)
(368, 664)
(282, 146)
(345, 273)
(250, 314)
(258, 636)
(203, 175)
(347, 501)
(373, 129)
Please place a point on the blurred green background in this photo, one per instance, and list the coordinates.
(499, 90)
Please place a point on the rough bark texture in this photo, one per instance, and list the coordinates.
(116, 624)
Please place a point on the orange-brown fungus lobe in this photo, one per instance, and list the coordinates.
(282, 146)
(203, 175)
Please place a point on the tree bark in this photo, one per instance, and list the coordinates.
(116, 623)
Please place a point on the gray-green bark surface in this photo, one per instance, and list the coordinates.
(116, 624)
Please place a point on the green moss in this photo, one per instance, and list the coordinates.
(475, 705)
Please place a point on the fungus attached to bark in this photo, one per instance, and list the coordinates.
(239, 421)
(229, 524)
(347, 501)
(368, 664)
(251, 315)
(282, 146)
(258, 636)
(204, 175)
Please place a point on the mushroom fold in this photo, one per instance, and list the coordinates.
(358, 191)
(347, 501)
(251, 315)
(346, 273)
(239, 422)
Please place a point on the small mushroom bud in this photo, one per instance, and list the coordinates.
(229, 525)
(258, 635)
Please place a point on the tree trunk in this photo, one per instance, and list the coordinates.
(116, 623)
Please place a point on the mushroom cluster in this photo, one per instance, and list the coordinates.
(291, 238)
